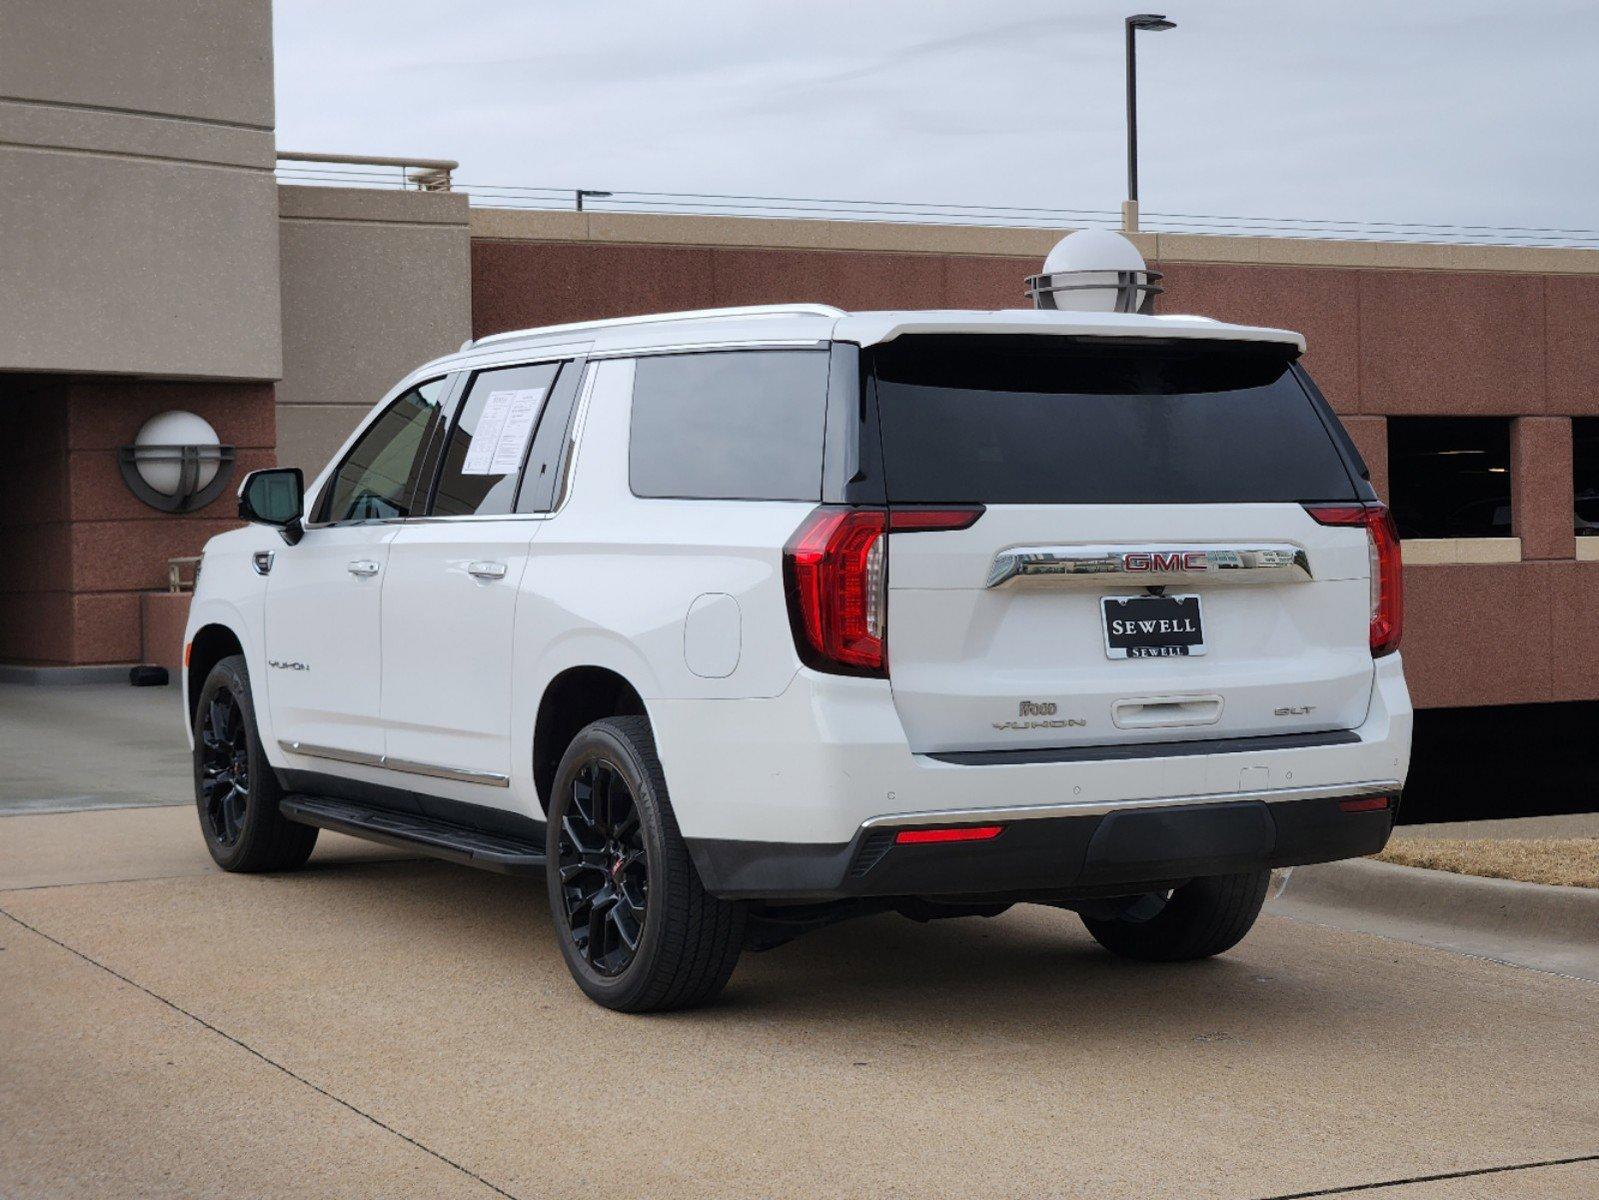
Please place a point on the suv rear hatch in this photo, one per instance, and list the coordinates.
(1146, 567)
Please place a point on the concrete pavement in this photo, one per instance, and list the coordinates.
(102, 745)
(378, 1025)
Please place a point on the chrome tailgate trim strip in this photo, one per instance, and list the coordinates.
(1149, 563)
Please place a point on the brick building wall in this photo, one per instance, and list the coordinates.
(77, 548)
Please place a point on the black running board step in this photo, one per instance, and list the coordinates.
(412, 831)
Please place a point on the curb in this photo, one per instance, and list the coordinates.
(1528, 924)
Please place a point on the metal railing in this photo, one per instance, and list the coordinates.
(437, 175)
(182, 574)
(725, 204)
(367, 170)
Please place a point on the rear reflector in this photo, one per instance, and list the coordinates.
(958, 833)
(933, 520)
(1364, 804)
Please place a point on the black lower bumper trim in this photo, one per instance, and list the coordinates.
(1123, 751)
(1132, 848)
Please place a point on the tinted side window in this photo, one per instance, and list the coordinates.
(546, 460)
(741, 425)
(378, 478)
(489, 441)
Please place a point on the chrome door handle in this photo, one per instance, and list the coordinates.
(364, 567)
(486, 570)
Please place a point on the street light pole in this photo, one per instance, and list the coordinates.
(1155, 23)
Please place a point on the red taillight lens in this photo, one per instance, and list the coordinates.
(956, 833)
(836, 569)
(1387, 580)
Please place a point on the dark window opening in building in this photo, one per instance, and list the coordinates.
(1449, 477)
(1585, 474)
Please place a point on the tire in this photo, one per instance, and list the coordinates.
(619, 873)
(244, 831)
(1204, 917)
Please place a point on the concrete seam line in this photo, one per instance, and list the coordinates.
(1467, 1174)
(251, 1050)
(343, 866)
(1389, 937)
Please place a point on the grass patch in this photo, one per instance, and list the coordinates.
(1568, 862)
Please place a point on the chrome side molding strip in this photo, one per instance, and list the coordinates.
(1098, 808)
(460, 774)
(1141, 563)
(358, 757)
(362, 759)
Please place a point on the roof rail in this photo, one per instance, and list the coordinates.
(698, 314)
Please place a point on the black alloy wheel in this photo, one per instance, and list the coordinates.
(236, 792)
(636, 927)
(604, 869)
(224, 782)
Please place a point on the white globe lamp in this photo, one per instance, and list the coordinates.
(1094, 270)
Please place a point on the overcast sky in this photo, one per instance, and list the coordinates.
(1467, 112)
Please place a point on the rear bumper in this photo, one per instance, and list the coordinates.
(828, 757)
(1058, 852)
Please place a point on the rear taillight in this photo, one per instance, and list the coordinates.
(836, 571)
(1387, 581)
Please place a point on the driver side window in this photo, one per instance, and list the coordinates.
(379, 478)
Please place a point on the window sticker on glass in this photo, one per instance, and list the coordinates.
(502, 432)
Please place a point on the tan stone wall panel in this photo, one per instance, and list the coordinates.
(308, 434)
(210, 59)
(153, 267)
(368, 296)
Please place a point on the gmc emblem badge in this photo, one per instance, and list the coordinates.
(1171, 560)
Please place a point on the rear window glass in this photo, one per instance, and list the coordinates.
(1046, 421)
(742, 425)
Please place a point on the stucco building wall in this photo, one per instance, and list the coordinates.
(374, 283)
(137, 201)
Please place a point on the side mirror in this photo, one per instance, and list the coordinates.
(276, 498)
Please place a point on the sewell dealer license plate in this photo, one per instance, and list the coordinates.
(1153, 626)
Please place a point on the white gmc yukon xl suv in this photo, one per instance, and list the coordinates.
(737, 623)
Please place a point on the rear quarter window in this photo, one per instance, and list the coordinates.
(1051, 421)
(739, 425)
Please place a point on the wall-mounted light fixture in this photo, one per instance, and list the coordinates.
(177, 463)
